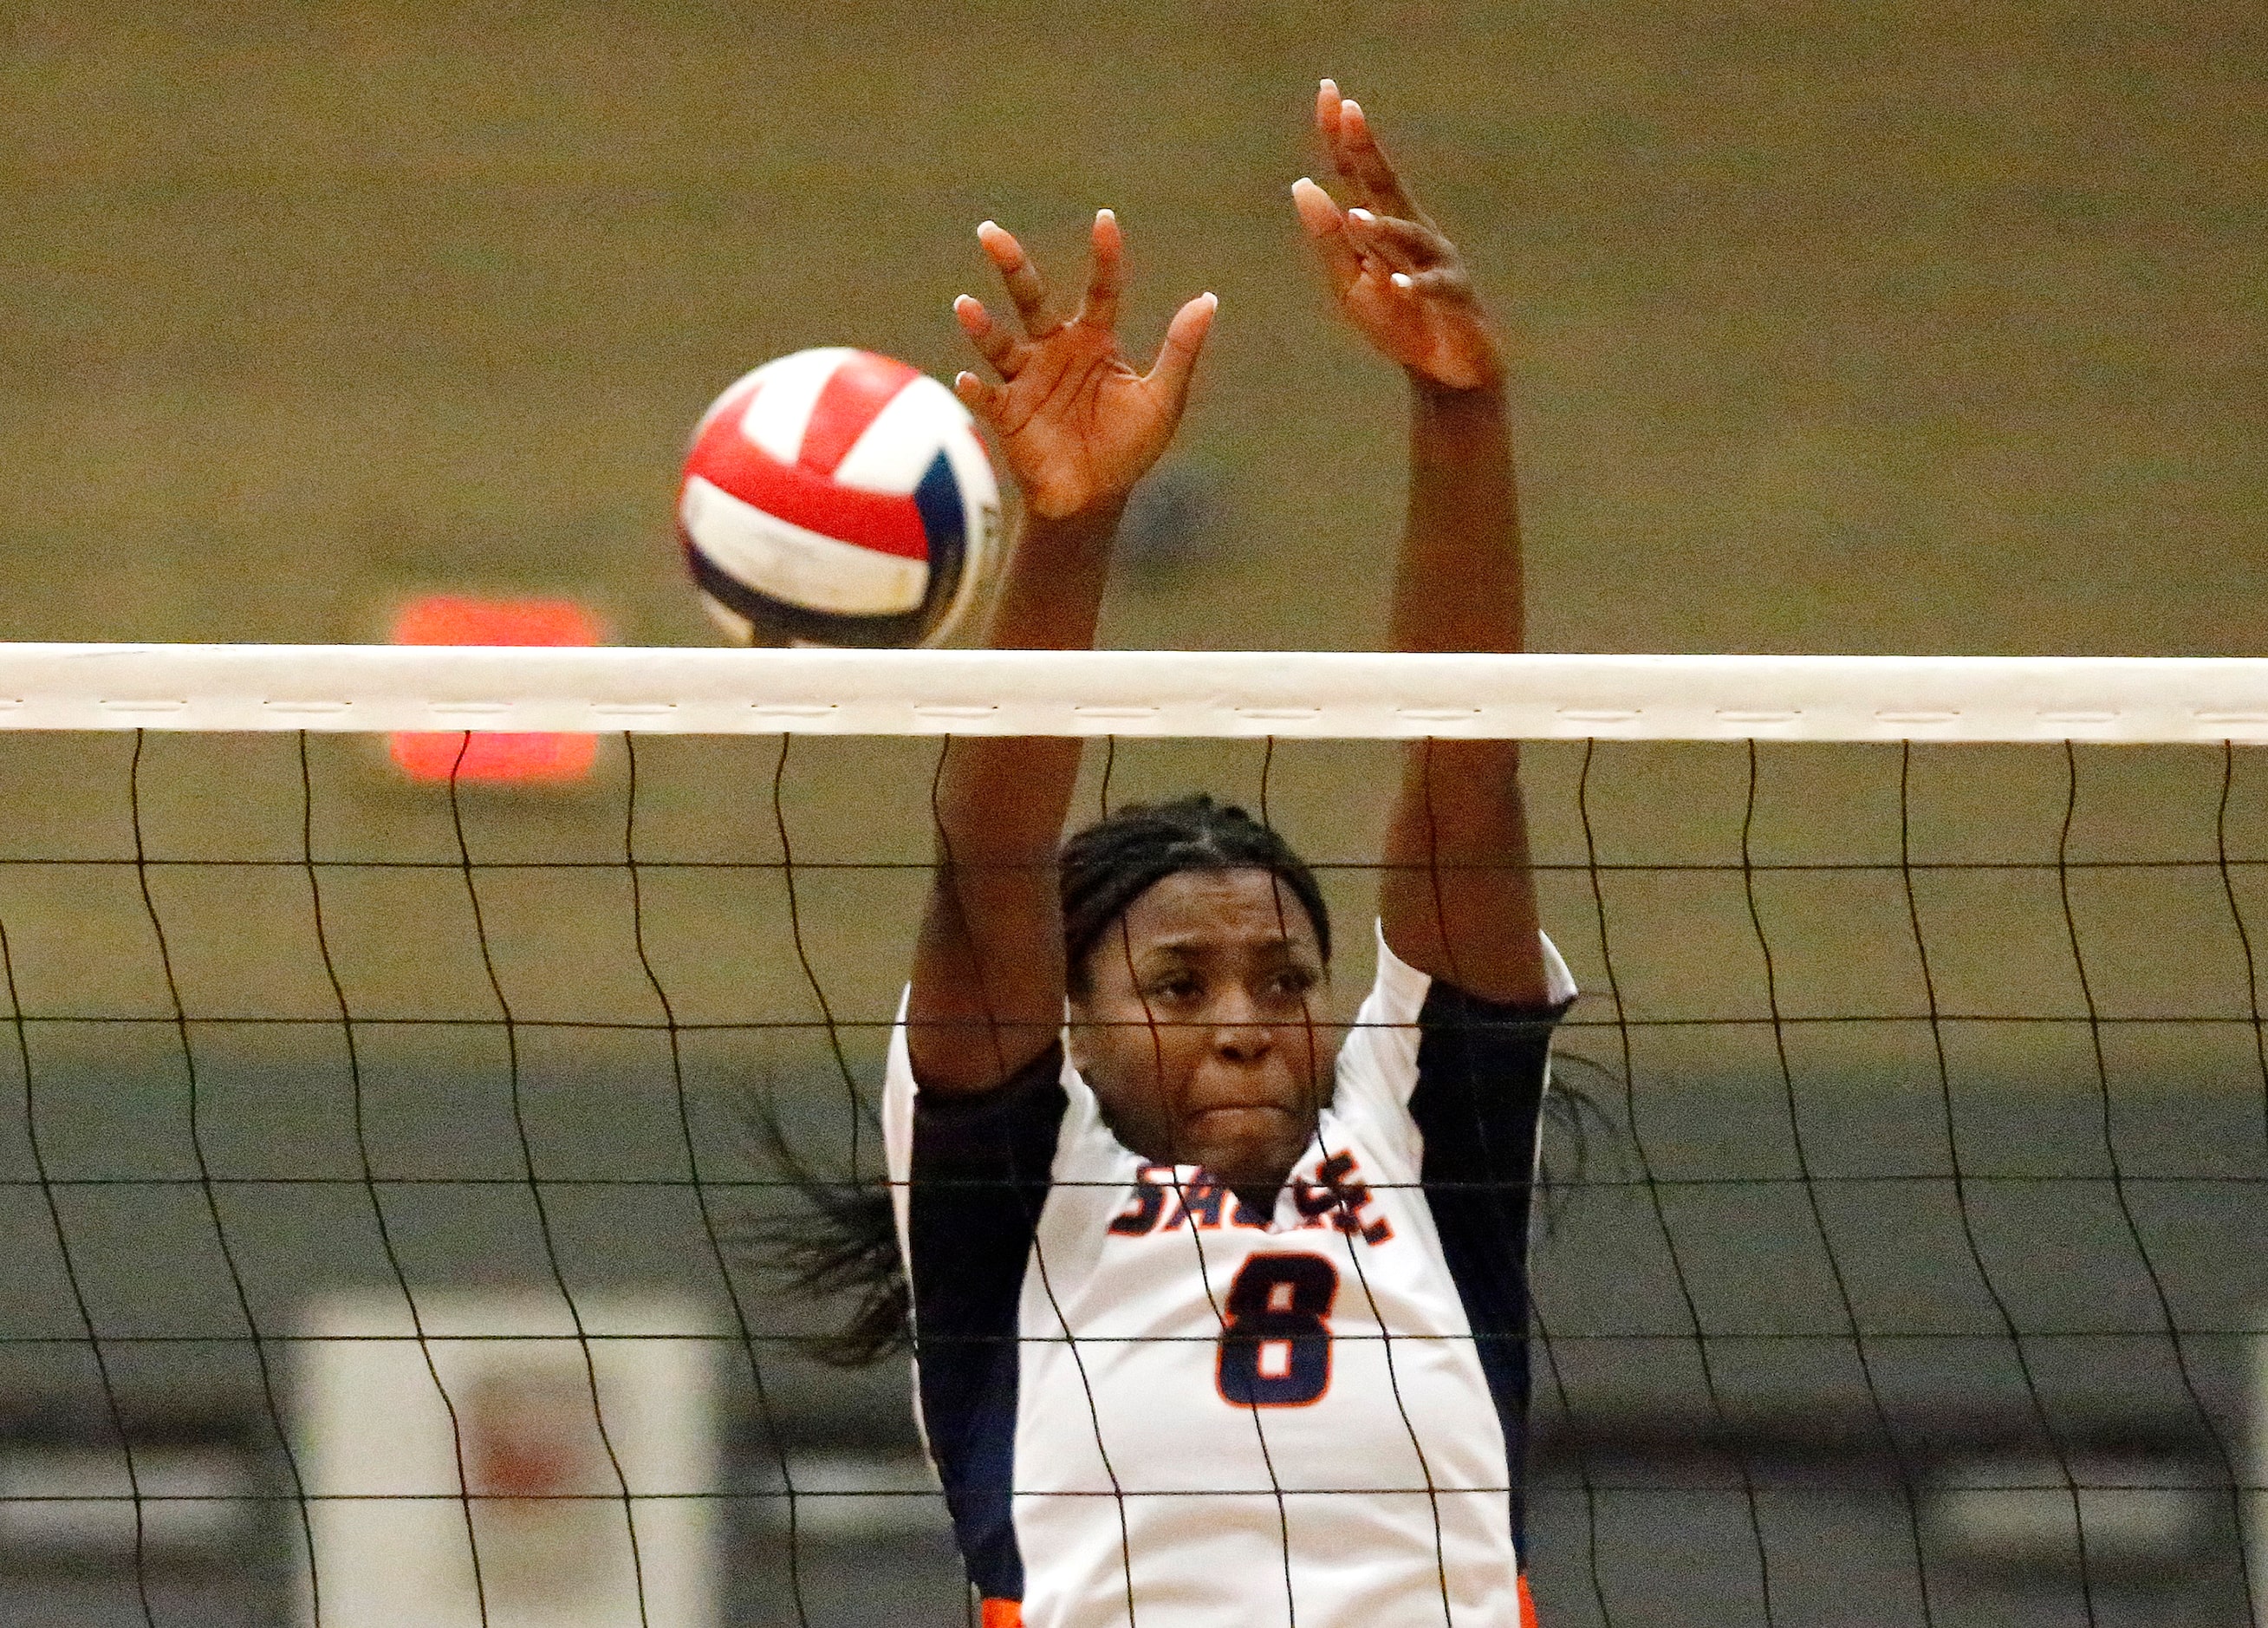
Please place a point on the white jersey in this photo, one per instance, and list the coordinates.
(1151, 1407)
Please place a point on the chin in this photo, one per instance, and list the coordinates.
(1251, 1147)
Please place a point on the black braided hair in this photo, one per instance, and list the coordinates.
(841, 1242)
(1121, 857)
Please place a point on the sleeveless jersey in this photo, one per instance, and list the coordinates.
(1150, 1407)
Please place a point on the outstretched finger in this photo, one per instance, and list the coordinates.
(1441, 282)
(1177, 357)
(993, 342)
(1404, 245)
(1328, 104)
(1101, 308)
(1021, 277)
(984, 400)
(1325, 225)
(1364, 163)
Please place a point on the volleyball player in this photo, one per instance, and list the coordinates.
(1207, 1330)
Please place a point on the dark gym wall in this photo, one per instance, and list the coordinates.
(1932, 329)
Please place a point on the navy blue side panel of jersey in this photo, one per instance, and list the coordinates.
(1481, 1071)
(980, 1176)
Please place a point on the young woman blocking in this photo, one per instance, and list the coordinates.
(1209, 1331)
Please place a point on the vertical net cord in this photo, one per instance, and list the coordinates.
(1119, 929)
(533, 1182)
(1582, 1462)
(1803, 1170)
(803, 956)
(243, 1297)
(1952, 1128)
(1580, 1458)
(2108, 1136)
(355, 1086)
(111, 1404)
(765, 1412)
(2258, 1596)
(1038, 1254)
(1196, 1244)
(2243, 933)
(851, 1096)
(850, 1088)
(1353, 1235)
(1653, 1186)
(1204, 1283)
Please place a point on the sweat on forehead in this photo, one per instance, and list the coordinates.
(1115, 861)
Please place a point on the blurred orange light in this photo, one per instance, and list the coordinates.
(539, 759)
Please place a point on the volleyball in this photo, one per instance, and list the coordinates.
(836, 497)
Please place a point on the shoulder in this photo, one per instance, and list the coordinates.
(1420, 1046)
(1403, 1005)
(927, 1127)
(1037, 1118)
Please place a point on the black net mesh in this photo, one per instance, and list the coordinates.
(1903, 1255)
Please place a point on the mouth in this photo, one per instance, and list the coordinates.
(1200, 1115)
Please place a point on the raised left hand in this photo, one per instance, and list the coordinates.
(1396, 277)
(1079, 424)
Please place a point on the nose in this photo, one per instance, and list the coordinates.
(1239, 1033)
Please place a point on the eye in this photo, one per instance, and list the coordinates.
(1173, 988)
(1291, 984)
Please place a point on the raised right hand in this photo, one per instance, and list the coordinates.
(1078, 426)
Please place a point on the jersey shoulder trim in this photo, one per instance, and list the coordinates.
(1378, 1063)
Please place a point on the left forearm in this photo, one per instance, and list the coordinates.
(1457, 585)
(1456, 899)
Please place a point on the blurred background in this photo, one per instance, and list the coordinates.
(1908, 328)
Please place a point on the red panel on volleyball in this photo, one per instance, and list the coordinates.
(528, 758)
(804, 493)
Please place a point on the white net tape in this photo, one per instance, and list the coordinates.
(1342, 696)
(1904, 1230)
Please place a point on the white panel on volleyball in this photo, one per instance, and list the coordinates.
(802, 567)
(893, 454)
(483, 1439)
(781, 412)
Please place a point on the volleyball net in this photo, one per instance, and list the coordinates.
(393, 1166)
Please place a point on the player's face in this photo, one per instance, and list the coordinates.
(1197, 1028)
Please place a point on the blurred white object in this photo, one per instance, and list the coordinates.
(502, 1473)
(859, 1497)
(78, 1503)
(2135, 1512)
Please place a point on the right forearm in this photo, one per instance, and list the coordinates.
(989, 974)
(1051, 588)
(1006, 797)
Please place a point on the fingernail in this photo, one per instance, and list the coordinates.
(1105, 214)
(1401, 280)
(981, 225)
(1328, 84)
(1350, 105)
(1363, 215)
